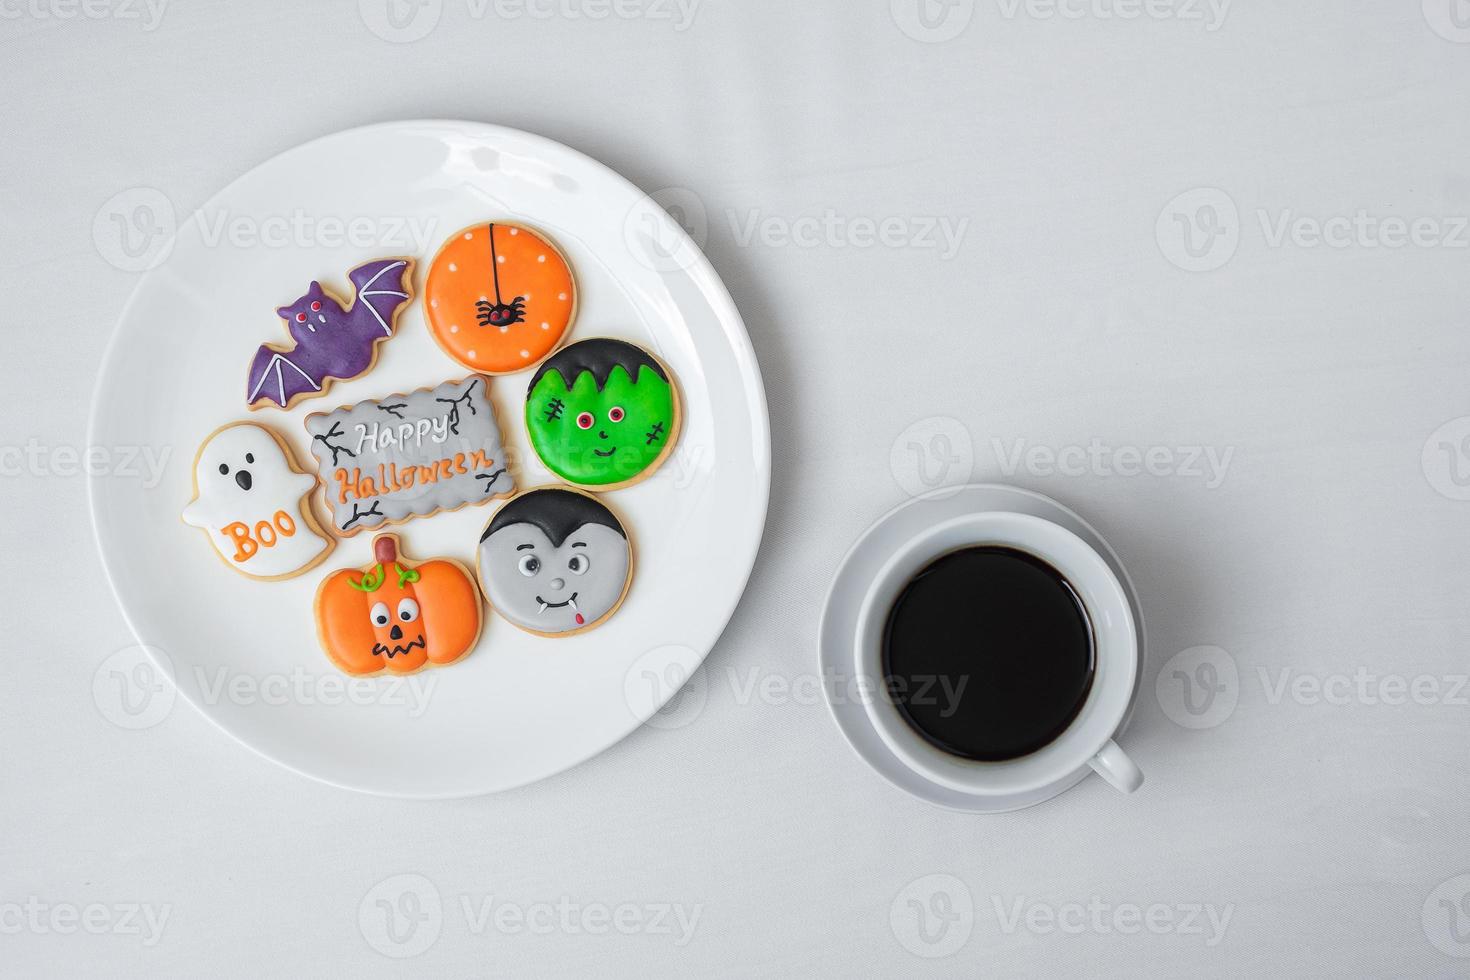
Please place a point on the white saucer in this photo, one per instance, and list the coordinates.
(839, 622)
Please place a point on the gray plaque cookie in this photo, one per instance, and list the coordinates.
(413, 455)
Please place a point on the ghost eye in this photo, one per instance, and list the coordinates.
(249, 457)
(408, 610)
(529, 565)
(379, 614)
(224, 469)
(301, 318)
(615, 414)
(578, 565)
(585, 420)
(316, 305)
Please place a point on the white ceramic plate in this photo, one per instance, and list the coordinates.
(844, 600)
(520, 707)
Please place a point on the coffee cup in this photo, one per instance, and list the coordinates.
(1088, 737)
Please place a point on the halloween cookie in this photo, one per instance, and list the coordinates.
(555, 561)
(602, 413)
(330, 341)
(397, 615)
(391, 459)
(499, 297)
(255, 504)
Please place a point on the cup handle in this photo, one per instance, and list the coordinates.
(1113, 764)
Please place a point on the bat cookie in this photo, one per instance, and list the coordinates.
(330, 341)
(499, 297)
(391, 459)
(602, 413)
(397, 615)
(255, 503)
(555, 561)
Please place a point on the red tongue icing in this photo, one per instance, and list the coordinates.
(579, 619)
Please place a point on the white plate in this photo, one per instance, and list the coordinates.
(520, 707)
(856, 572)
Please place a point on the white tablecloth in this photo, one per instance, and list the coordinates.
(1197, 270)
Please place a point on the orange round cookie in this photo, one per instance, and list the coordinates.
(499, 297)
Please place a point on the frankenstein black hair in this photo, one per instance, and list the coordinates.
(556, 512)
(598, 356)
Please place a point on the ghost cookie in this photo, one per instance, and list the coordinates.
(499, 297)
(397, 615)
(254, 503)
(602, 413)
(555, 561)
(329, 340)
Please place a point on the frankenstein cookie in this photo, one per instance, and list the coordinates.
(602, 413)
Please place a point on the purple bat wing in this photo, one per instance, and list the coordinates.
(381, 289)
(276, 378)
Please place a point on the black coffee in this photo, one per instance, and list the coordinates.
(988, 653)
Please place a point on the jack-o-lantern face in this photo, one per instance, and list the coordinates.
(396, 615)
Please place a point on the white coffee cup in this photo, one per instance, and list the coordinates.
(1088, 740)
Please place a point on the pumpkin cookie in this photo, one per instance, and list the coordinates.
(397, 615)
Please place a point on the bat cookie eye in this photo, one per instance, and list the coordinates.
(615, 414)
(301, 318)
(316, 306)
(578, 565)
(585, 420)
(379, 614)
(529, 565)
(408, 610)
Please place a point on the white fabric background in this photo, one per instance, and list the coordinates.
(1328, 549)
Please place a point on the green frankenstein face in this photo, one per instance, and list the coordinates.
(600, 412)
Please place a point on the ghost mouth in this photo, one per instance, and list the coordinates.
(599, 452)
(382, 649)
